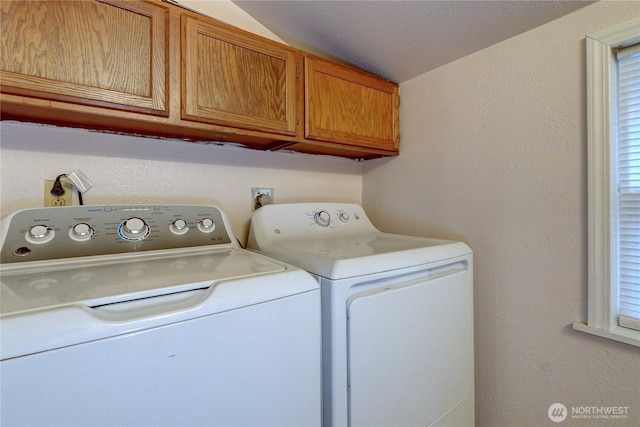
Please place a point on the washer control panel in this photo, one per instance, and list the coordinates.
(76, 231)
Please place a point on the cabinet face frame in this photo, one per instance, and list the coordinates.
(155, 103)
(169, 107)
(329, 118)
(193, 100)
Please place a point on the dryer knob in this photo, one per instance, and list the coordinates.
(322, 218)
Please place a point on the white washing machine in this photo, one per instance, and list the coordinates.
(397, 315)
(152, 315)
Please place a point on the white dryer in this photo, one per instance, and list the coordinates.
(397, 315)
(152, 315)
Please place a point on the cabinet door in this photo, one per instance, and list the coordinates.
(101, 53)
(232, 78)
(346, 106)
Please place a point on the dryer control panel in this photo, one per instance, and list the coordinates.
(77, 231)
(307, 221)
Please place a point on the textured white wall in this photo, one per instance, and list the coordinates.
(493, 152)
(129, 169)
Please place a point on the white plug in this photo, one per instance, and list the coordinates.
(79, 180)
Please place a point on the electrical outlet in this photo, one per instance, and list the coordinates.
(261, 197)
(64, 199)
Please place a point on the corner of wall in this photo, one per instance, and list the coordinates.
(227, 11)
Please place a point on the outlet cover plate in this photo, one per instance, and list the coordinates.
(65, 199)
(258, 193)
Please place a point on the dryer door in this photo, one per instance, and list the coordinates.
(410, 351)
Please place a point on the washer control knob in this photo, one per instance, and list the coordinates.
(179, 226)
(81, 232)
(322, 218)
(344, 217)
(39, 234)
(134, 229)
(206, 225)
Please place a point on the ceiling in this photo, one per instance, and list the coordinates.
(402, 39)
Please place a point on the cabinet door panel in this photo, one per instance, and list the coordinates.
(106, 53)
(235, 80)
(346, 106)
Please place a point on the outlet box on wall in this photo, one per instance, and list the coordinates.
(64, 199)
(260, 197)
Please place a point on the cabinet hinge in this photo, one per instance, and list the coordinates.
(297, 71)
(297, 117)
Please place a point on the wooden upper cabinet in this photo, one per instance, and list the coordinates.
(233, 78)
(110, 54)
(346, 106)
(105, 64)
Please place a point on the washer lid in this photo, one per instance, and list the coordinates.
(361, 254)
(107, 280)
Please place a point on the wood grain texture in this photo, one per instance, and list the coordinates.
(256, 88)
(346, 106)
(350, 151)
(104, 65)
(236, 79)
(112, 53)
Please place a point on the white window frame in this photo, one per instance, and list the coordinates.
(601, 123)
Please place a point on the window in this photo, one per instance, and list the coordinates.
(628, 178)
(613, 92)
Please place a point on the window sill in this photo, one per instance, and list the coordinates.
(624, 335)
